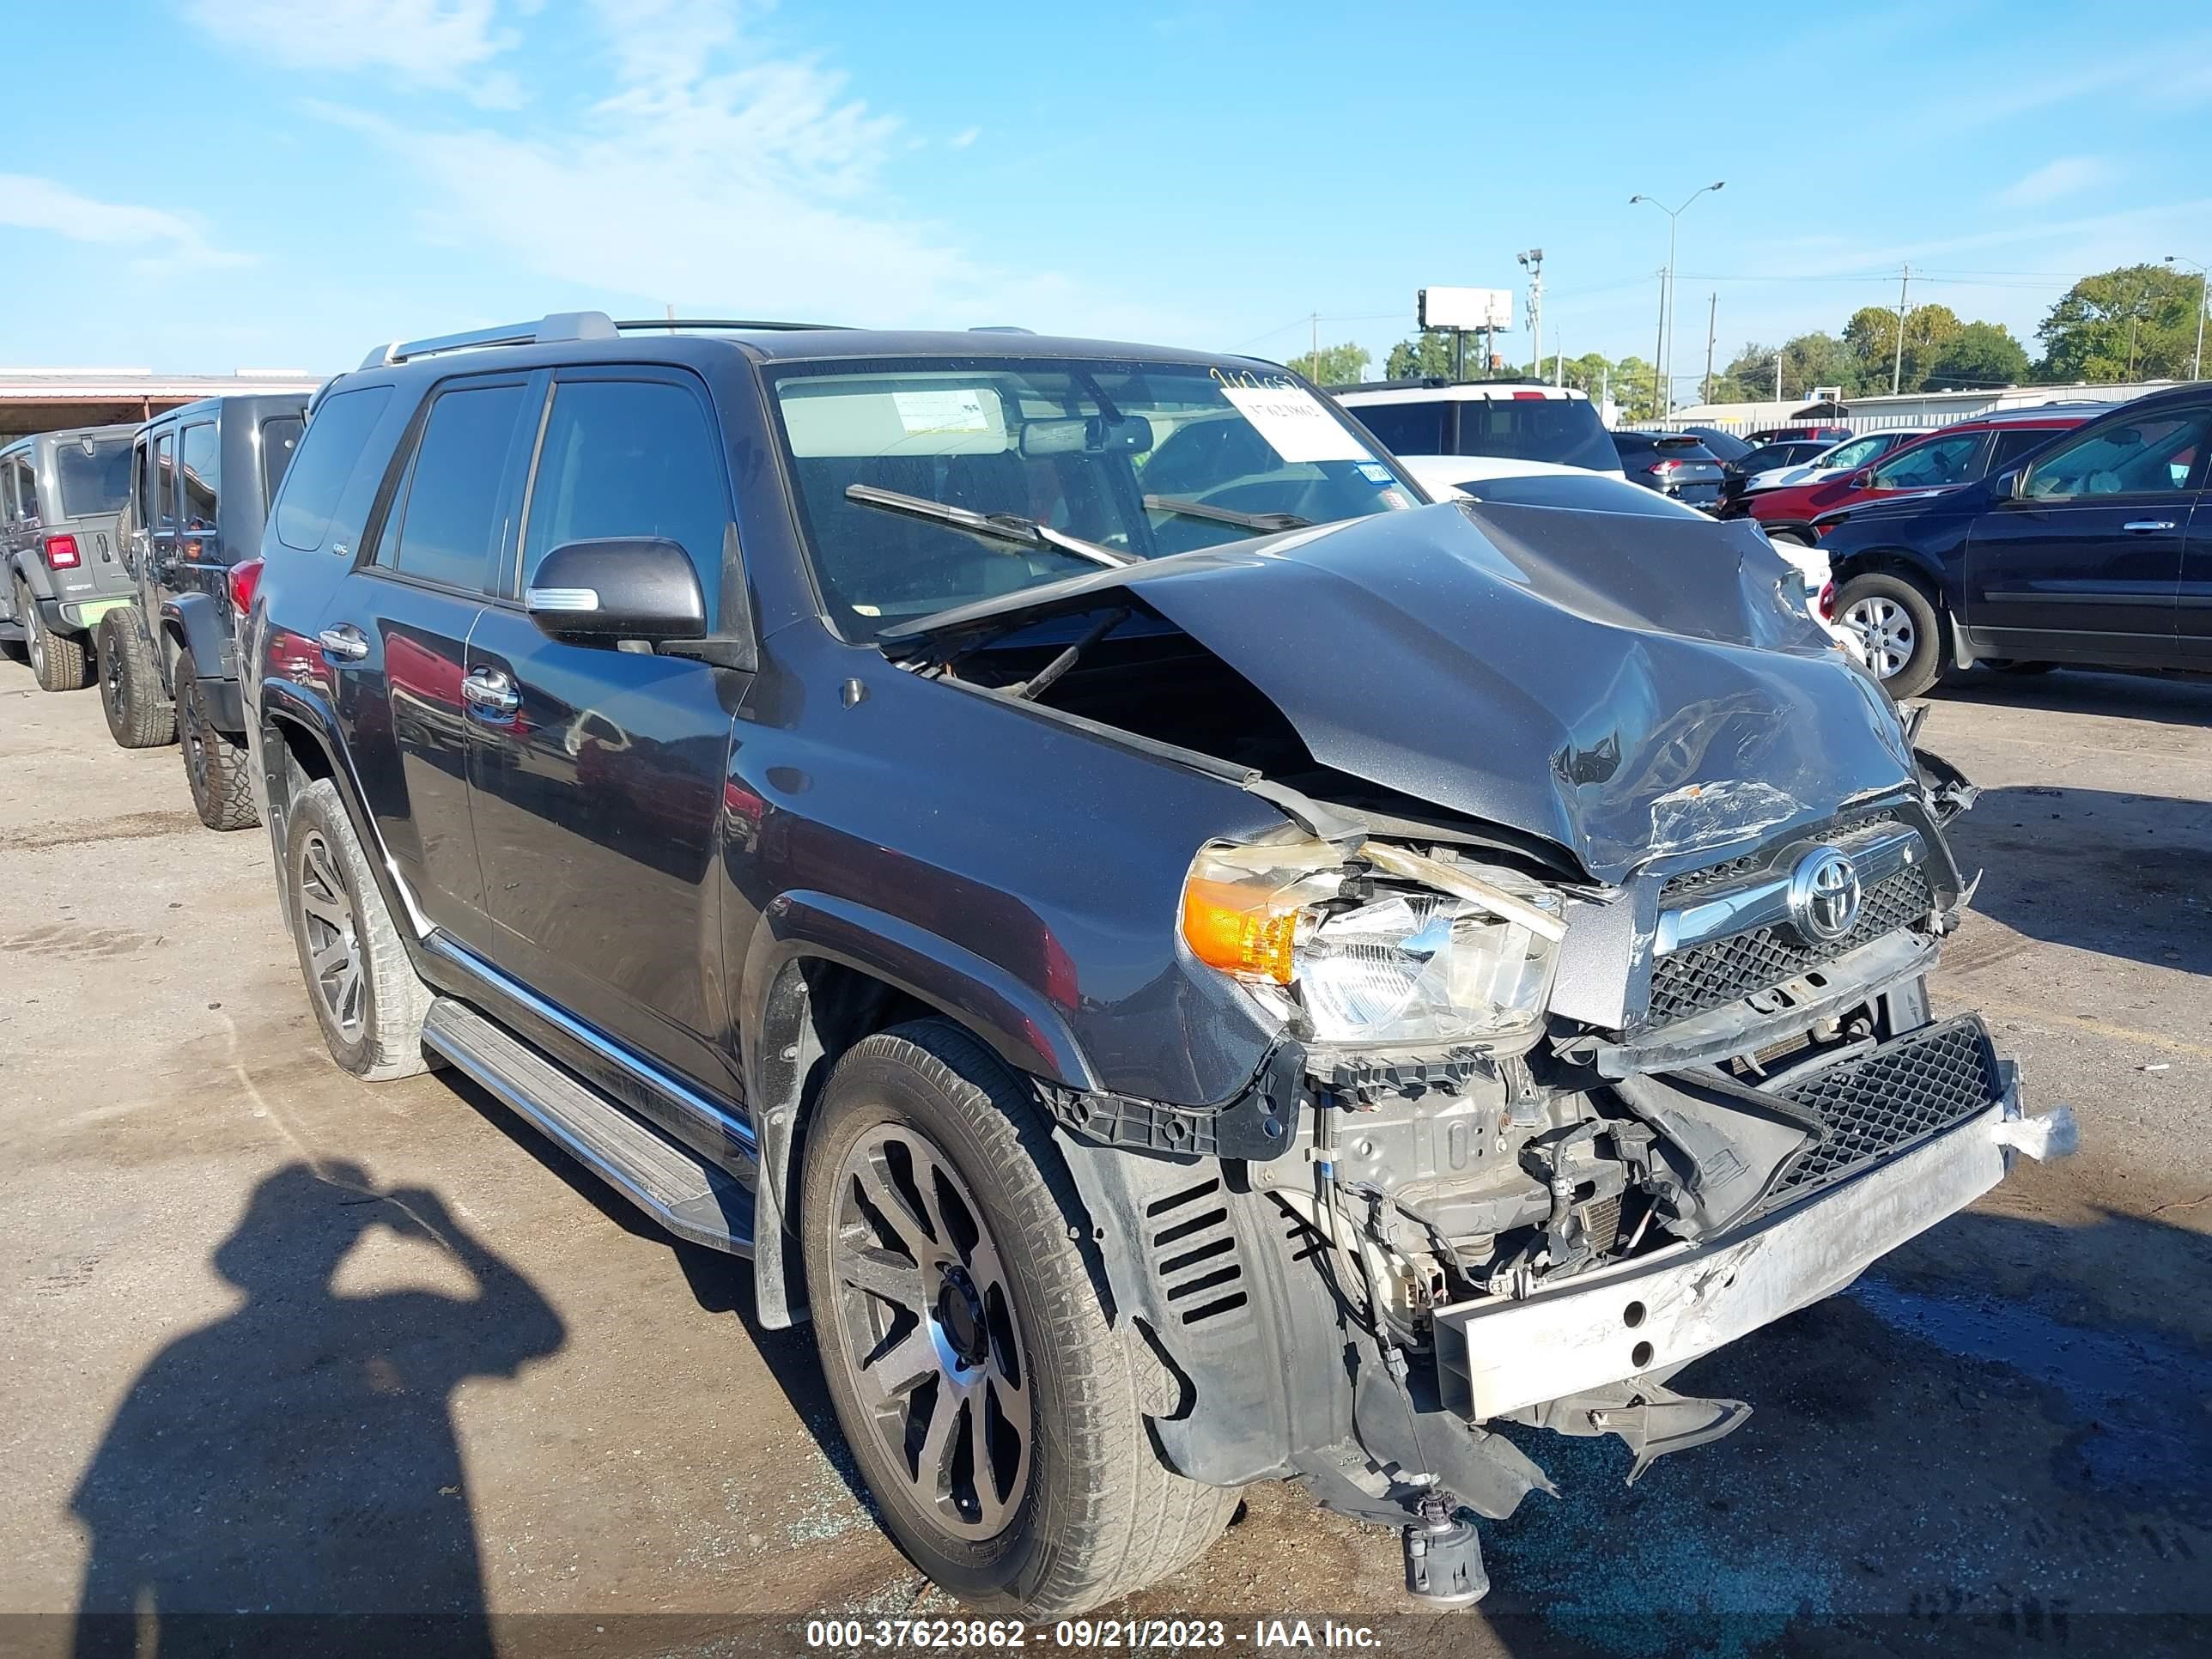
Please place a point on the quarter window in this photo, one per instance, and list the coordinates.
(2153, 454)
(451, 527)
(280, 437)
(199, 475)
(165, 469)
(630, 459)
(329, 453)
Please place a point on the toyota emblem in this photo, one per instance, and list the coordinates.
(1824, 895)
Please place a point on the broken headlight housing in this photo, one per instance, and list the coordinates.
(1387, 947)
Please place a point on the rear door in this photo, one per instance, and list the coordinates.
(396, 631)
(2085, 562)
(197, 563)
(597, 771)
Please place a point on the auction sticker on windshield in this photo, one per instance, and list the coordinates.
(952, 409)
(1295, 425)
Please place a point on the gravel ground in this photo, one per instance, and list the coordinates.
(275, 1328)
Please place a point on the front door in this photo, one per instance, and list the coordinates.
(2083, 563)
(599, 787)
(397, 630)
(2192, 618)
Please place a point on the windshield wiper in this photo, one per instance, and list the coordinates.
(1265, 523)
(1008, 528)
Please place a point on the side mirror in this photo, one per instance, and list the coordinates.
(1862, 479)
(2011, 486)
(620, 588)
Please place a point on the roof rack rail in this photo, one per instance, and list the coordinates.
(558, 328)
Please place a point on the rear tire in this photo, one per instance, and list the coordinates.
(1087, 1511)
(1899, 627)
(60, 661)
(366, 995)
(217, 765)
(138, 715)
(1794, 538)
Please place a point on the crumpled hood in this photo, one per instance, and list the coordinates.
(1629, 687)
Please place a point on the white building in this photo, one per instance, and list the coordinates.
(1906, 409)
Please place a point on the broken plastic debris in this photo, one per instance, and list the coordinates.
(2052, 1134)
(2162, 1066)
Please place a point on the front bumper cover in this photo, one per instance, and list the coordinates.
(1496, 1357)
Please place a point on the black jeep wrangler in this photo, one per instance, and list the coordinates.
(1189, 963)
(202, 477)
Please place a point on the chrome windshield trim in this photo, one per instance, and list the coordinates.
(1766, 900)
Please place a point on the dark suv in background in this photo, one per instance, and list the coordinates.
(1676, 463)
(201, 479)
(1126, 916)
(60, 568)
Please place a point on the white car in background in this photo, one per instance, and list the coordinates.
(1534, 484)
(1521, 427)
(1849, 456)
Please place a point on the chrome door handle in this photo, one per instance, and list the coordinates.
(489, 690)
(2146, 527)
(345, 641)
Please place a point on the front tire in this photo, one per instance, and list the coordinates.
(138, 715)
(1897, 626)
(217, 766)
(59, 661)
(991, 1407)
(365, 994)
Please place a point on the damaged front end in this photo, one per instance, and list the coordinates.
(1580, 1075)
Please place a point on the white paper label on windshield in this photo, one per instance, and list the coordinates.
(952, 409)
(1295, 425)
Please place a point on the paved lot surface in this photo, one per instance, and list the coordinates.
(292, 1337)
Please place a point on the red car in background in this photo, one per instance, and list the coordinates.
(1959, 454)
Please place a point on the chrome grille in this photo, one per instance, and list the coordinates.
(1894, 1096)
(1689, 982)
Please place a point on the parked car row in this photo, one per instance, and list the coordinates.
(130, 552)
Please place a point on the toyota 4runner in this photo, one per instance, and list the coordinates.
(1190, 964)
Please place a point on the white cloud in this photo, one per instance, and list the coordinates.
(714, 173)
(160, 237)
(2067, 176)
(438, 44)
(965, 137)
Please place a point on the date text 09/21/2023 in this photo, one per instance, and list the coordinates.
(854, 1635)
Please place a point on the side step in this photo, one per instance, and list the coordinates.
(689, 1196)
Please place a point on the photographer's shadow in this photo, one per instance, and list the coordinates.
(288, 1478)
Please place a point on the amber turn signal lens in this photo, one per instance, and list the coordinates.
(1238, 928)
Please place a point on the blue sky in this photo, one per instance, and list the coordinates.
(208, 185)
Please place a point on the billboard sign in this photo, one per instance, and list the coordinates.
(1465, 307)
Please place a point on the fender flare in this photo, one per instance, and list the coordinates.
(799, 928)
(300, 709)
(32, 572)
(193, 622)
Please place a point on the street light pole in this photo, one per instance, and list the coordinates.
(1660, 372)
(2204, 304)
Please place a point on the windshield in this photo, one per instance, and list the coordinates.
(1855, 454)
(96, 483)
(1930, 463)
(1143, 459)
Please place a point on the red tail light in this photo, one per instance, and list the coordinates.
(244, 576)
(1662, 468)
(62, 554)
(1826, 605)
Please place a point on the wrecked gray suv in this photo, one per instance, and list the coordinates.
(1190, 964)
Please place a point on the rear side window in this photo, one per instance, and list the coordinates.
(280, 437)
(199, 475)
(27, 488)
(1406, 428)
(94, 478)
(449, 528)
(1558, 431)
(629, 458)
(329, 451)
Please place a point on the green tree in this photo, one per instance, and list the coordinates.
(1871, 334)
(1428, 353)
(1336, 365)
(1980, 355)
(2136, 322)
(1817, 359)
(1749, 376)
(1634, 389)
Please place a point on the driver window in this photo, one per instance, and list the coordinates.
(2157, 454)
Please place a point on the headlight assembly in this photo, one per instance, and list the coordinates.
(1403, 950)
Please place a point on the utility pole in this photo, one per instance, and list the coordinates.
(1659, 350)
(1777, 374)
(1897, 369)
(1315, 319)
(1712, 330)
(2204, 304)
(1533, 263)
(1661, 371)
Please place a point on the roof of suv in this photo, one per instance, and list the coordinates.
(31, 439)
(1411, 392)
